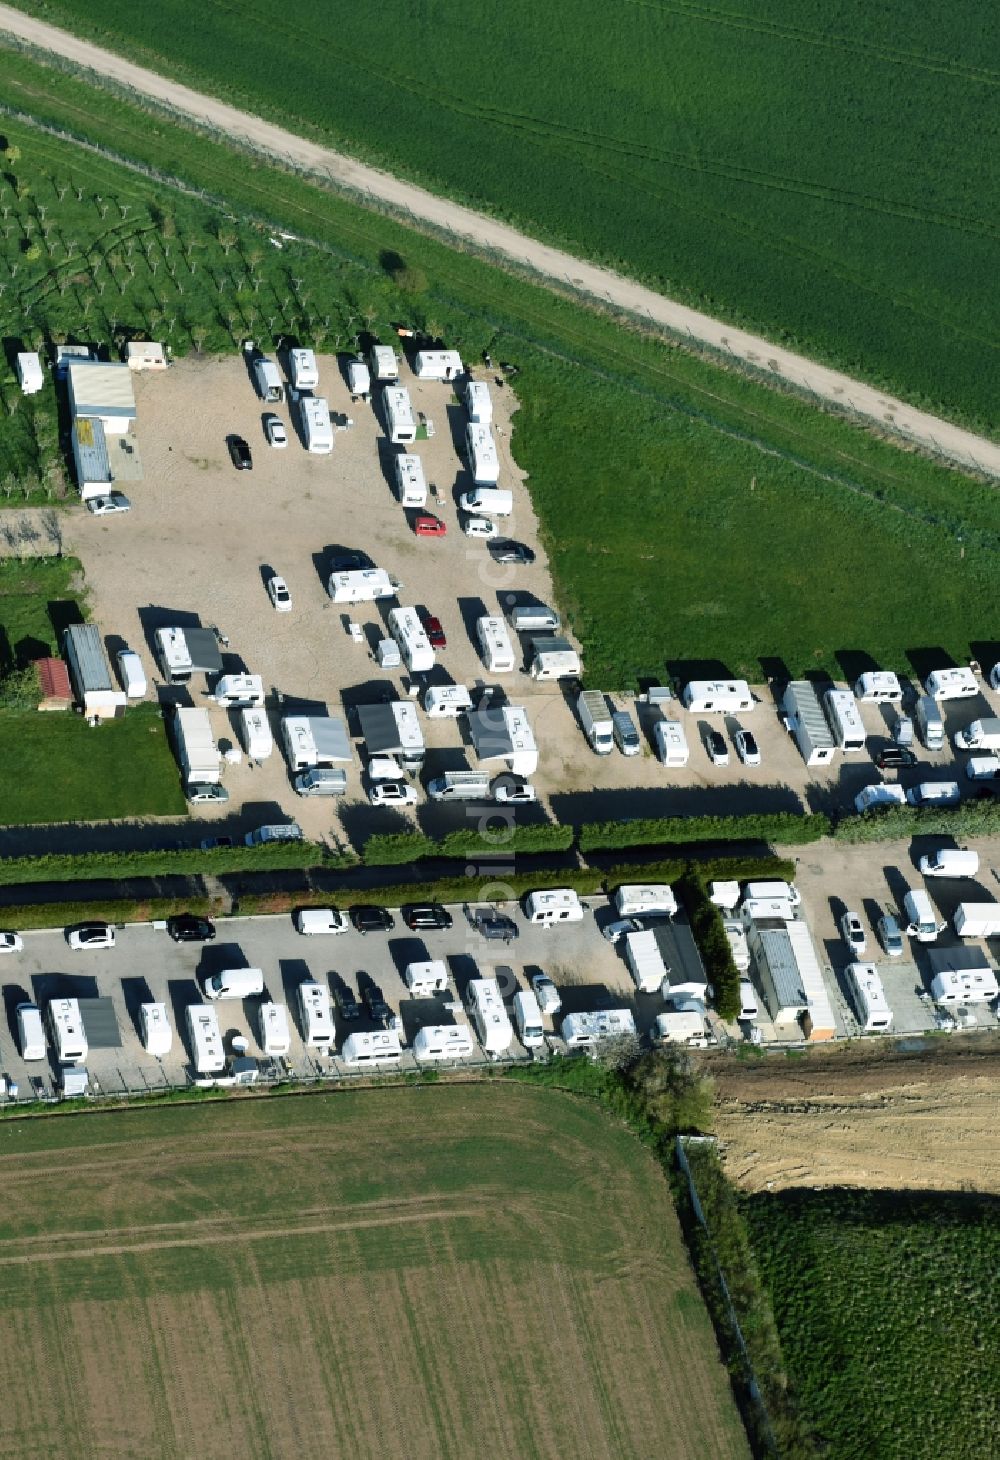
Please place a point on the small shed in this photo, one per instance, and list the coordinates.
(145, 355)
(30, 375)
(54, 687)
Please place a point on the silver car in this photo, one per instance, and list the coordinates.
(546, 993)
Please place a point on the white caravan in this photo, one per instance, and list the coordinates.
(268, 380)
(635, 898)
(275, 1031)
(255, 734)
(378, 1047)
(411, 488)
(317, 428)
(239, 691)
(157, 1035)
(304, 370)
(447, 701)
(718, 697)
(317, 1015)
(553, 905)
(205, 1038)
(424, 980)
(437, 1042)
(951, 684)
(414, 645)
(384, 363)
(671, 743)
(362, 585)
(581, 1031)
(479, 403)
(66, 1031)
(481, 454)
(495, 648)
(878, 687)
(400, 422)
(870, 1002)
(437, 365)
(488, 1015)
(845, 720)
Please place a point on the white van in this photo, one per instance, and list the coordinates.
(526, 618)
(234, 983)
(66, 1031)
(313, 920)
(275, 1033)
(447, 701)
(411, 487)
(528, 1019)
(131, 674)
(30, 1032)
(951, 684)
(671, 743)
(553, 905)
(983, 768)
(481, 454)
(205, 1039)
(492, 501)
(950, 862)
(414, 645)
(919, 917)
(424, 980)
(317, 1015)
(479, 403)
(157, 1035)
(495, 647)
(268, 380)
(634, 898)
(934, 793)
(930, 723)
(488, 1015)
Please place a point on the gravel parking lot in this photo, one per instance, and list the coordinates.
(203, 538)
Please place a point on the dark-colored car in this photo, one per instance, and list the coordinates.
(187, 928)
(895, 756)
(505, 550)
(432, 628)
(373, 999)
(350, 562)
(370, 919)
(495, 927)
(426, 915)
(239, 453)
(343, 997)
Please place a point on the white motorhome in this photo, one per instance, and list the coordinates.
(317, 427)
(197, 751)
(488, 1015)
(870, 1002)
(173, 654)
(384, 363)
(362, 585)
(414, 645)
(878, 687)
(400, 422)
(69, 1040)
(255, 734)
(645, 961)
(447, 701)
(580, 1031)
(595, 718)
(552, 905)
(718, 697)
(495, 647)
(438, 1042)
(426, 979)
(317, 1015)
(239, 691)
(488, 501)
(157, 1035)
(304, 370)
(479, 403)
(275, 1031)
(411, 488)
(377, 1047)
(635, 898)
(205, 1039)
(845, 720)
(481, 454)
(437, 365)
(951, 684)
(553, 658)
(528, 1019)
(671, 743)
(268, 380)
(930, 722)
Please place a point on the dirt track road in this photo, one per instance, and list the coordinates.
(934, 434)
(864, 1116)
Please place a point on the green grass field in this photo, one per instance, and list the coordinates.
(38, 596)
(799, 169)
(887, 1308)
(436, 1273)
(689, 514)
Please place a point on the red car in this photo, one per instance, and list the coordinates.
(433, 630)
(427, 526)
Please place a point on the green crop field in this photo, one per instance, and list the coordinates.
(887, 1306)
(435, 1273)
(807, 170)
(689, 514)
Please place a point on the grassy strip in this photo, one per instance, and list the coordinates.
(781, 828)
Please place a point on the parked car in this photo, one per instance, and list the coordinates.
(274, 430)
(890, 935)
(350, 562)
(11, 943)
(716, 747)
(625, 733)
(618, 927)
(202, 792)
(853, 933)
(373, 999)
(210, 843)
(746, 747)
(188, 928)
(480, 527)
(367, 918)
(426, 525)
(277, 590)
(239, 453)
(494, 926)
(425, 915)
(546, 993)
(91, 935)
(513, 791)
(110, 503)
(392, 793)
(505, 550)
(894, 757)
(344, 998)
(432, 628)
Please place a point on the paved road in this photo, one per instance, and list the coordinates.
(939, 436)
